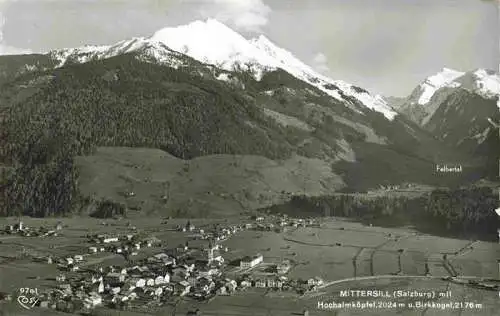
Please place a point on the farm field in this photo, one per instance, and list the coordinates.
(340, 249)
(17, 253)
(346, 255)
(208, 186)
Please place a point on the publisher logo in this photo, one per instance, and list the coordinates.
(28, 297)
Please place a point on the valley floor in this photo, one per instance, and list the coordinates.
(345, 255)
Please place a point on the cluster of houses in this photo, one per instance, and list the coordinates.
(283, 283)
(395, 187)
(194, 269)
(217, 232)
(21, 229)
(128, 245)
(276, 280)
(180, 271)
(279, 224)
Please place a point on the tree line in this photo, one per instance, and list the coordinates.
(464, 211)
(146, 106)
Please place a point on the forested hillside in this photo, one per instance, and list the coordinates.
(52, 116)
(169, 109)
(461, 211)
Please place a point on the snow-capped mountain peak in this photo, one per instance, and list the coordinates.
(435, 82)
(293, 65)
(431, 102)
(487, 83)
(481, 81)
(212, 42)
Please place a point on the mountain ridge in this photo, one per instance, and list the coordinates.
(256, 55)
(150, 96)
(484, 82)
(455, 107)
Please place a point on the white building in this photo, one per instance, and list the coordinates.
(159, 280)
(274, 283)
(115, 290)
(78, 258)
(250, 262)
(108, 240)
(61, 278)
(158, 291)
(231, 285)
(93, 300)
(260, 283)
(166, 278)
(99, 288)
(315, 281)
(137, 282)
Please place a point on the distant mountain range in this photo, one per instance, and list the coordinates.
(455, 107)
(201, 91)
(214, 43)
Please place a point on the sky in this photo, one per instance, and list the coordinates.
(385, 46)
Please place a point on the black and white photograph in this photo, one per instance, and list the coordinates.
(249, 157)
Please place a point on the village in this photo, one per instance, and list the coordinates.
(156, 272)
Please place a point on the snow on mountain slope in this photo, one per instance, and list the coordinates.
(483, 82)
(488, 83)
(454, 107)
(290, 63)
(433, 83)
(155, 50)
(214, 43)
(427, 97)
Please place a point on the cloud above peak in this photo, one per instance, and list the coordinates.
(243, 15)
